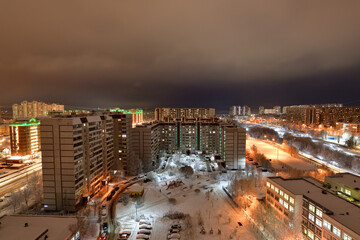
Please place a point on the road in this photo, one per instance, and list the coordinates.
(279, 156)
(16, 179)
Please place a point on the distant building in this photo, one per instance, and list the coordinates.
(38, 227)
(261, 110)
(174, 114)
(327, 114)
(136, 113)
(277, 110)
(34, 109)
(352, 128)
(346, 185)
(24, 137)
(304, 203)
(240, 111)
(77, 156)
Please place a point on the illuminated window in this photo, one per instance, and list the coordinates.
(336, 231)
(318, 212)
(276, 190)
(311, 217)
(281, 193)
(291, 209)
(291, 200)
(318, 222)
(348, 192)
(286, 205)
(281, 201)
(312, 208)
(310, 235)
(272, 187)
(346, 237)
(327, 225)
(286, 197)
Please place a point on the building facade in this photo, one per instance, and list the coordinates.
(150, 141)
(306, 205)
(170, 114)
(34, 109)
(122, 127)
(239, 111)
(77, 156)
(25, 137)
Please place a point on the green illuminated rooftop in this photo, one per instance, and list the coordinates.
(31, 122)
(127, 111)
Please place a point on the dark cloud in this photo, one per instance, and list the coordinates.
(180, 53)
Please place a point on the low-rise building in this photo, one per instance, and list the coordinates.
(346, 185)
(39, 227)
(320, 213)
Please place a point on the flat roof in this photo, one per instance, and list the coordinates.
(347, 179)
(344, 212)
(13, 227)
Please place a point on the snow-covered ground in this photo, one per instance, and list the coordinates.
(279, 156)
(200, 196)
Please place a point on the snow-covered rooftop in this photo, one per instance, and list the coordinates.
(343, 211)
(13, 227)
(347, 179)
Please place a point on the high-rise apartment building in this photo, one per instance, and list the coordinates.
(24, 137)
(306, 205)
(149, 141)
(327, 114)
(77, 156)
(261, 110)
(122, 127)
(240, 111)
(34, 109)
(171, 114)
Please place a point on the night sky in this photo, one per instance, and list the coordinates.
(180, 53)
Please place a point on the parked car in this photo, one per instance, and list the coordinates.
(109, 198)
(174, 235)
(124, 235)
(142, 222)
(178, 226)
(144, 231)
(174, 230)
(145, 226)
(142, 236)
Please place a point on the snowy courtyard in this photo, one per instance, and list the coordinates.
(210, 214)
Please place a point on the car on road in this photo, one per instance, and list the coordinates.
(108, 198)
(103, 211)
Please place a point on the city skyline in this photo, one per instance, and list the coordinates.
(251, 53)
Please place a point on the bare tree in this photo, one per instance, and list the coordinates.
(15, 200)
(26, 193)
